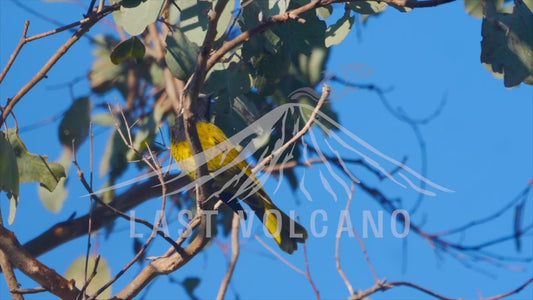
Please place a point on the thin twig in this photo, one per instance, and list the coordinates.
(308, 273)
(29, 291)
(279, 256)
(326, 90)
(367, 257)
(235, 249)
(156, 167)
(120, 213)
(85, 27)
(338, 244)
(21, 44)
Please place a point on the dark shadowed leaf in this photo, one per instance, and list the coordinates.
(74, 128)
(181, 55)
(190, 284)
(132, 47)
(507, 45)
(114, 161)
(104, 74)
(9, 175)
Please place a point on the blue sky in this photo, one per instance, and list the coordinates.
(480, 146)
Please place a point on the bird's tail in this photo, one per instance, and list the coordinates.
(285, 231)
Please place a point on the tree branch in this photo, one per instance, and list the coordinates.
(73, 228)
(326, 90)
(85, 27)
(235, 249)
(25, 262)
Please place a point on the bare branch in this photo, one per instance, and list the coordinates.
(7, 269)
(235, 249)
(102, 216)
(85, 27)
(326, 90)
(279, 256)
(338, 244)
(21, 44)
(308, 273)
(25, 262)
(29, 291)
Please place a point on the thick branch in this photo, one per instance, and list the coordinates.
(172, 262)
(24, 261)
(73, 228)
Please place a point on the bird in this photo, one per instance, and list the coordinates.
(229, 174)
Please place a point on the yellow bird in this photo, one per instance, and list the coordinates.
(232, 175)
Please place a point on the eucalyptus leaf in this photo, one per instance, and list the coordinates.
(134, 16)
(367, 7)
(225, 18)
(105, 75)
(114, 161)
(507, 44)
(324, 12)
(35, 168)
(9, 175)
(194, 19)
(475, 7)
(182, 55)
(76, 272)
(54, 200)
(74, 128)
(337, 32)
(132, 47)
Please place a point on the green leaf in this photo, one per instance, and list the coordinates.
(507, 44)
(114, 161)
(76, 271)
(225, 18)
(104, 74)
(194, 19)
(367, 7)
(337, 32)
(311, 67)
(35, 168)
(148, 129)
(104, 119)
(74, 128)
(9, 175)
(324, 12)
(53, 200)
(134, 16)
(182, 55)
(132, 47)
(475, 8)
